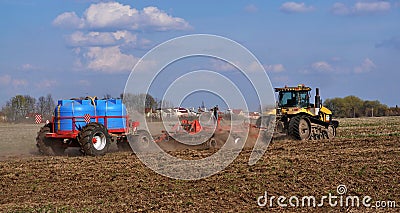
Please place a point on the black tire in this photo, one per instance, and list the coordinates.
(211, 143)
(143, 138)
(94, 139)
(299, 128)
(123, 145)
(48, 146)
(140, 142)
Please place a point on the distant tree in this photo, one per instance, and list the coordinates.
(30, 104)
(336, 105)
(18, 107)
(139, 102)
(45, 106)
(374, 108)
(41, 105)
(107, 96)
(352, 106)
(150, 102)
(165, 104)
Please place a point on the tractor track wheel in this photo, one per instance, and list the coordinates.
(331, 132)
(48, 146)
(299, 128)
(94, 139)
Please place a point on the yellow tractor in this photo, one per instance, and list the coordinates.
(300, 119)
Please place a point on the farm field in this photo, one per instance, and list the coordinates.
(364, 157)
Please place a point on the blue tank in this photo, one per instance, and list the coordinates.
(73, 108)
(111, 107)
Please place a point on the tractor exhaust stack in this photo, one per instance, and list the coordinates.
(317, 98)
(317, 101)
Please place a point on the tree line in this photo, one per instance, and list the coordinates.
(21, 107)
(24, 107)
(353, 107)
(135, 102)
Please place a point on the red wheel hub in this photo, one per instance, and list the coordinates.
(94, 140)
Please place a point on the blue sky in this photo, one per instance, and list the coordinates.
(82, 47)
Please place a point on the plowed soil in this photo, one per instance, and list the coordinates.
(365, 157)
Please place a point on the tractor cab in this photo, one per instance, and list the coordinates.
(289, 97)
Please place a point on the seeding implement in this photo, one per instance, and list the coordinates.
(203, 130)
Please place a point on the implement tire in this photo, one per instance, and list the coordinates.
(143, 139)
(48, 146)
(94, 139)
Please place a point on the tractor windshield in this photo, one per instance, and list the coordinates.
(293, 99)
(287, 98)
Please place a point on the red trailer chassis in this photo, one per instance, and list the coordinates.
(130, 127)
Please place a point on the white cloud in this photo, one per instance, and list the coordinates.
(220, 65)
(79, 38)
(361, 8)
(276, 68)
(366, 66)
(5, 80)
(255, 67)
(104, 32)
(293, 7)
(322, 66)
(368, 7)
(336, 65)
(251, 8)
(158, 19)
(111, 15)
(109, 59)
(116, 16)
(69, 20)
